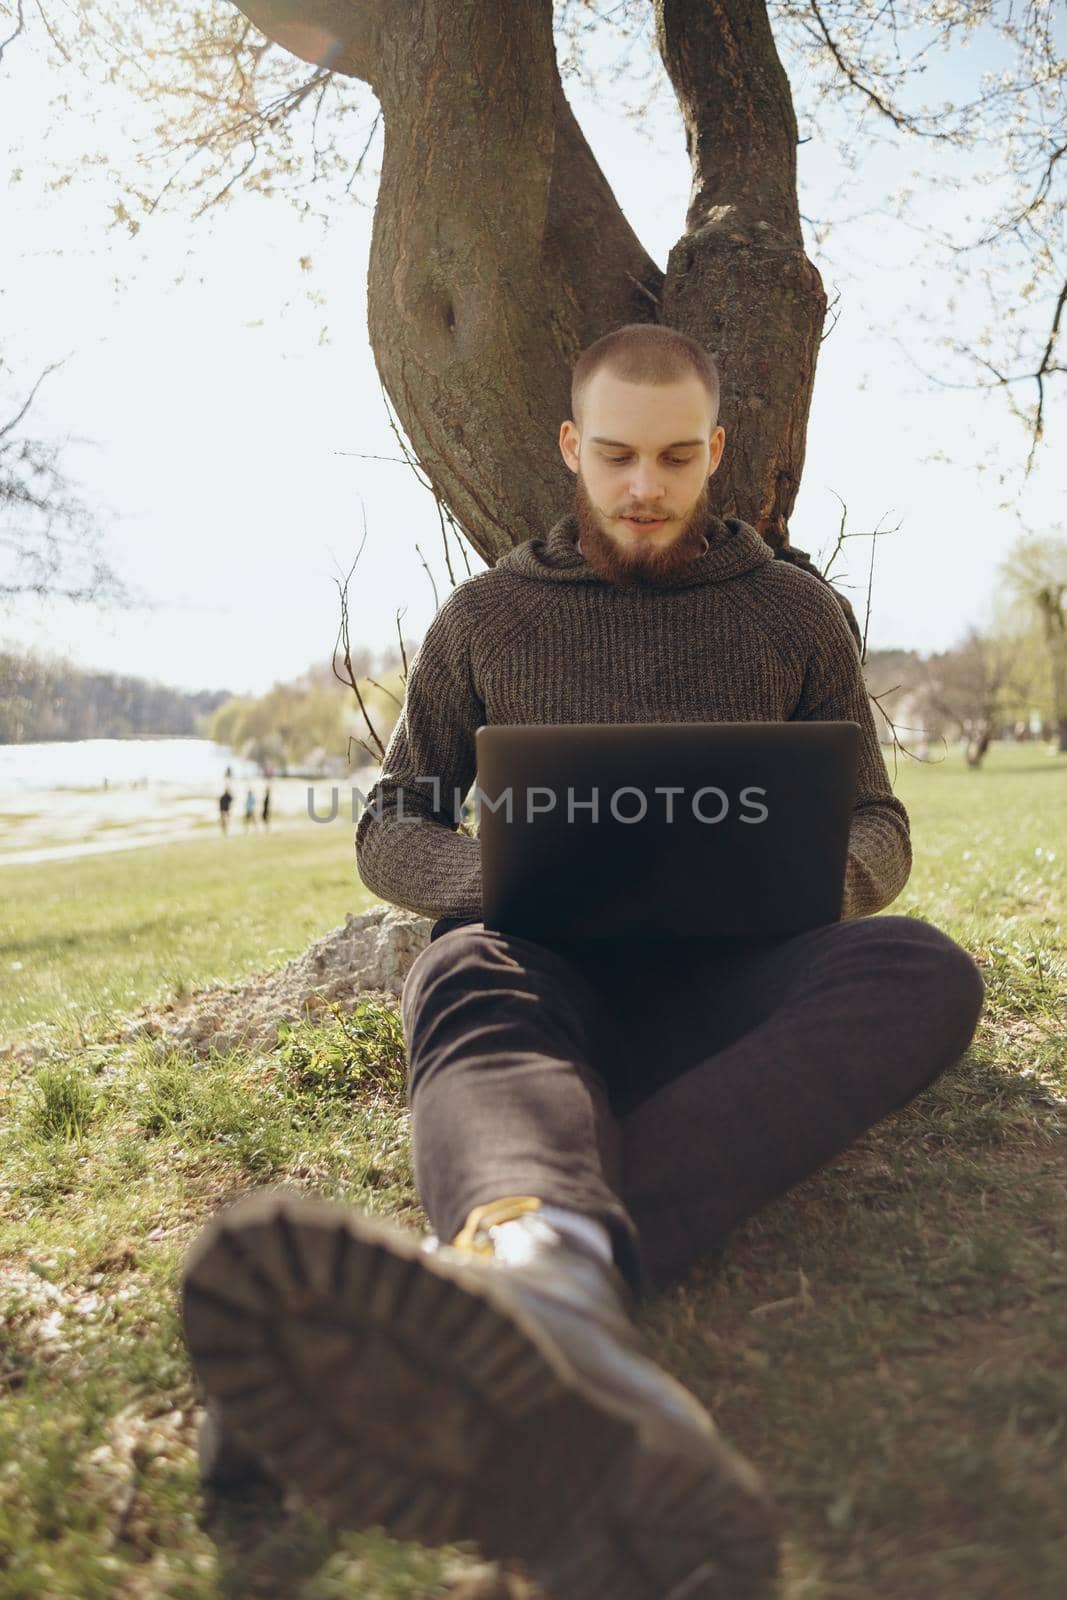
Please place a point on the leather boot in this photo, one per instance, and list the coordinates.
(493, 1389)
(224, 1461)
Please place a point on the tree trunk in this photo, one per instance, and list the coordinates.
(978, 744)
(499, 251)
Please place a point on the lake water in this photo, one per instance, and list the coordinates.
(85, 763)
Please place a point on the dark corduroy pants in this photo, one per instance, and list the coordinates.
(667, 1088)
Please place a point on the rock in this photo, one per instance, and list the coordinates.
(367, 958)
(486, 1581)
(34, 1044)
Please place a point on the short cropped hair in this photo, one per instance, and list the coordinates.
(645, 352)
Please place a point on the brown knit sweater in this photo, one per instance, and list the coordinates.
(542, 638)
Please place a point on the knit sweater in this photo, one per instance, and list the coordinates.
(541, 637)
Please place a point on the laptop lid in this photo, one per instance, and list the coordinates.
(664, 830)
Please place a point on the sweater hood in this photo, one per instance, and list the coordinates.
(734, 547)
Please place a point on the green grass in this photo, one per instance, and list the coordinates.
(97, 935)
(886, 1342)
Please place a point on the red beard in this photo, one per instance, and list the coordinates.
(638, 564)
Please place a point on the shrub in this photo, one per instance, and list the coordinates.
(340, 1060)
(64, 1102)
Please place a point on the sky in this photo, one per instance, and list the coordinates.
(223, 392)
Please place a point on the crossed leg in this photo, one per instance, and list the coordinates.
(669, 1089)
(770, 1062)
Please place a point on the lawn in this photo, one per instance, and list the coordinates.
(888, 1343)
(84, 941)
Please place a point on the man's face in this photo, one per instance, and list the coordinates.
(646, 451)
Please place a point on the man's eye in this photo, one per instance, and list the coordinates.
(672, 461)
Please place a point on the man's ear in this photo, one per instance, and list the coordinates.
(569, 444)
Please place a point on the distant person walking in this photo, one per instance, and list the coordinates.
(225, 802)
(266, 806)
(250, 810)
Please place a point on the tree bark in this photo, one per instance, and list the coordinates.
(499, 251)
(738, 278)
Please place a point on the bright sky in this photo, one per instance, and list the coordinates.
(220, 407)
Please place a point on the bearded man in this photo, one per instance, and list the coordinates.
(589, 1119)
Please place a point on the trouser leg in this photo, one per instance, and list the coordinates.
(502, 1035)
(745, 1072)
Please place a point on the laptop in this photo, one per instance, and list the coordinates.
(664, 830)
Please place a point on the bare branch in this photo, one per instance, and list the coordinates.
(20, 23)
(403, 652)
(386, 690)
(12, 424)
(53, 537)
(852, 76)
(344, 640)
(429, 574)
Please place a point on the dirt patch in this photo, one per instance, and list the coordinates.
(367, 958)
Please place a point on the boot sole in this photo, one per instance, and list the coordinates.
(223, 1465)
(390, 1394)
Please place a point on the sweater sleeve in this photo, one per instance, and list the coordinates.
(879, 843)
(408, 847)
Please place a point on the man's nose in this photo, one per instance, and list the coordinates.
(646, 482)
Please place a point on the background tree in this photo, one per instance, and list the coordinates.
(45, 696)
(50, 540)
(1036, 575)
(969, 691)
(310, 721)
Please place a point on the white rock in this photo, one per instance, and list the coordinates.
(367, 958)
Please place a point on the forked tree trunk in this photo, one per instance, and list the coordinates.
(499, 251)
